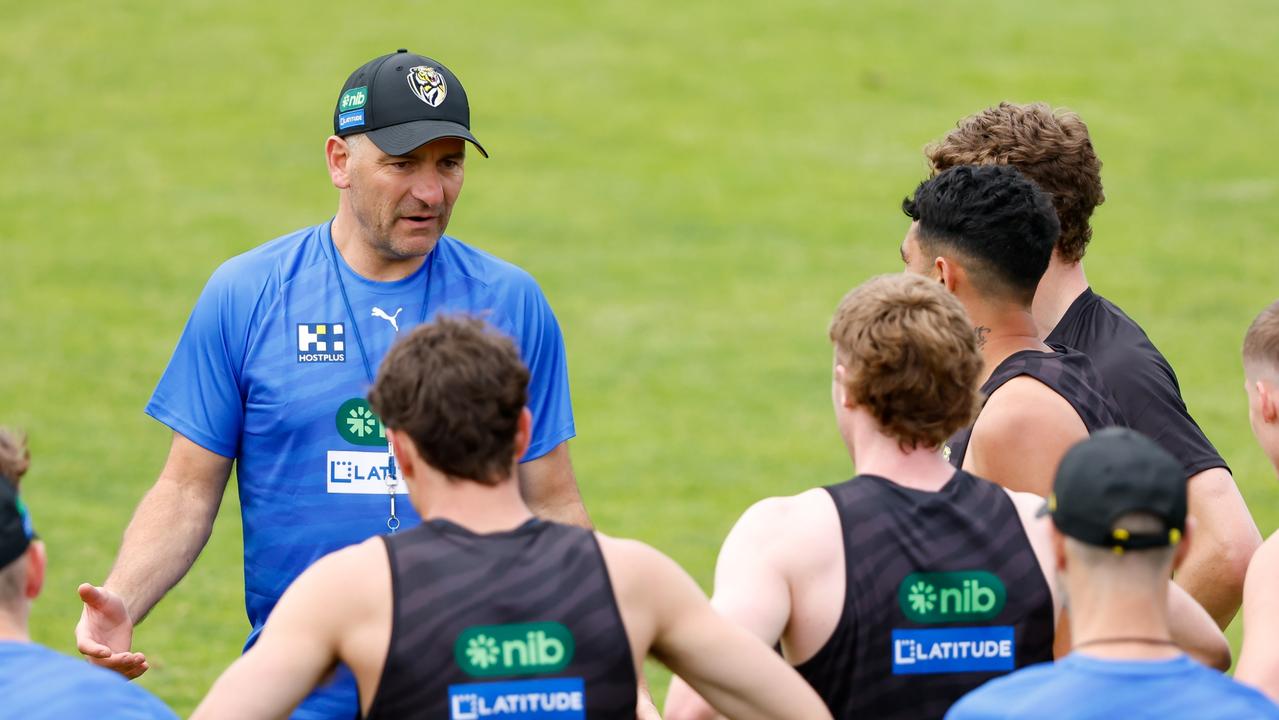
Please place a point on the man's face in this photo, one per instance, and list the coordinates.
(913, 257)
(402, 203)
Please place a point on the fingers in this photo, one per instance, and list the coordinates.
(128, 664)
(91, 648)
(91, 595)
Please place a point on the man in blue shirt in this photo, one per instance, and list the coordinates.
(36, 682)
(1119, 527)
(273, 367)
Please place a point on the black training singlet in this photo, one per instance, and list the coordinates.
(1068, 372)
(943, 592)
(512, 624)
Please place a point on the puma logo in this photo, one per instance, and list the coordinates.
(380, 313)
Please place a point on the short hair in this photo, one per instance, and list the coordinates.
(1051, 147)
(910, 358)
(995, 219)
(456, 387)
(1261, 342)
(15, 459)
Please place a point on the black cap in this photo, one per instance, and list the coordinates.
(1115, 472)
(16, 532)
(403, 101)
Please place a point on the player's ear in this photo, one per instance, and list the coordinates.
(406, 457)
(947, 273)
(523, 433)
(1183, 545)
(1269, 404)
(841, 388)
(337, 151)
(1059, 547)
(37, 561)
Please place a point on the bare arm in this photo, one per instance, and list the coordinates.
(304, 638)
(550, 488)
(1021, 435)
(1259, 659)
(740, 676)
(168, 530)
(1194, 630)
(1225, 539)
(750, 590)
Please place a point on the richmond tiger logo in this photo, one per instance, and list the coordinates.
(427, 84)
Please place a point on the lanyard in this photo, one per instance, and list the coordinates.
(392, 475)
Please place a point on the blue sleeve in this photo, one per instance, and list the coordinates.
(199, 394)
(542, 348)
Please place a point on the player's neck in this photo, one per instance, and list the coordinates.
(1061, 285)
(874, 453)
(1002, 329)
(475, 506)
(1106, 616)
(358, 252)
(14, 629)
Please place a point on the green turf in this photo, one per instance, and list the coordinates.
(695, 185)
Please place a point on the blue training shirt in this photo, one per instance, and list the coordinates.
(37, 683)
(1081, 687)
(269, 371)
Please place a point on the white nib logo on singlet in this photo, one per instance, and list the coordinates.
(380, 313)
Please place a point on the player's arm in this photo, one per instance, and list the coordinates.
(751, 590)
(1225, 539)
(168, 530)
(550, 488)
(1259, 659)
(302, 640)
(1195, 631)
(1023, 432)
(740, 676)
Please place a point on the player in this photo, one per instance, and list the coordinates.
(1259, 658)
(1119, 527)
(1054, 150)
(484, 610)
(900, 590)
(986, 234)
(271, 371)
(36, 682)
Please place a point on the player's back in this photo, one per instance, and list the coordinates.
(1065, 371)
(521, 623)
(1142, 382)
(943, 592)
(38, 683)
(1080, 687)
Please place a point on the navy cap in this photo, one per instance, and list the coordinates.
(16, 531)
(403, 101)
(1115, 472)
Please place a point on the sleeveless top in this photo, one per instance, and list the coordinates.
(521, 623)
(943, 592)
(1068, 372)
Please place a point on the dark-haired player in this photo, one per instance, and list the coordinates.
(986, 234)
(484, 611)
(1054, 150)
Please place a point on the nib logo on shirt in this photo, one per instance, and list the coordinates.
(519, 649)
(358, 425)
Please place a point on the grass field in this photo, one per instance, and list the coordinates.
(694, 184)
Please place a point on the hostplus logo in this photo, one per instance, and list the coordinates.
(321, 342)
(520, 649)
(952, 596)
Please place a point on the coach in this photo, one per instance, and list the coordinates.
(272, 369)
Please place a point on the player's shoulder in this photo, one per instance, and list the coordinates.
(1023, 402)
(1265, 561)
(272, 263)
(463, 259)
(1010, 696)
(76, 684)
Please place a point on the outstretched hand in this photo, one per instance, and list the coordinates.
(105, 632)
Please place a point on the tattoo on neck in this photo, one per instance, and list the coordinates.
(982, 331)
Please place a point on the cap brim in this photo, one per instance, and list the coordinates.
(406, 137)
